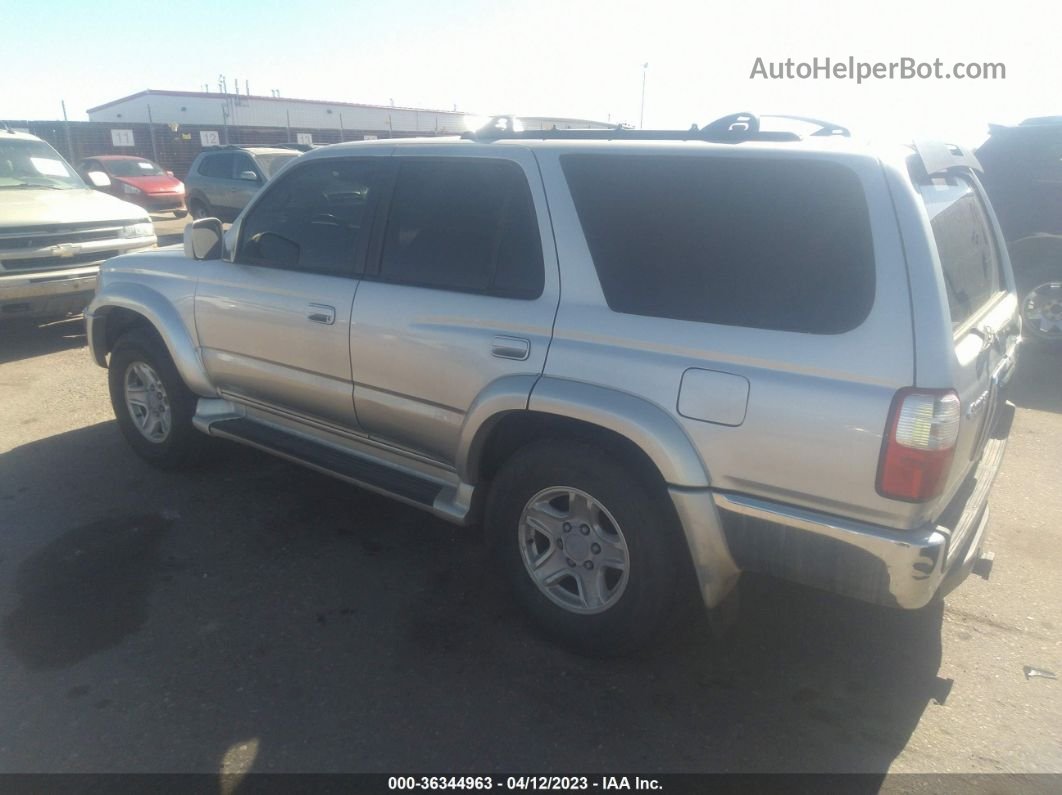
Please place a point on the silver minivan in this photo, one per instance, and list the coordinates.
(640, 359)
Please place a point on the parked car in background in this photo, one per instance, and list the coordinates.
(55, 230)
(1023, 177)
(223, 179)
(647, 361)
(137, 180)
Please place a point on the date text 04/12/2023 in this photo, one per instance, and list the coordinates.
(523, 783)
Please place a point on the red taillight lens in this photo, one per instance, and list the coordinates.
(919, 444)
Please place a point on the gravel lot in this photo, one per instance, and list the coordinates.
(255, 615)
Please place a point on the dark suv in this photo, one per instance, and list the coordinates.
(222, 180)
(1023, 177)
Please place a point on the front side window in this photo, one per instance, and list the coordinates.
(243, 163)
(315, 219)
(34, 164)
(270, 164)
(966, 245)
(218, 166)
(771, 244)
(465, 225)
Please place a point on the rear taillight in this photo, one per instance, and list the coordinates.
(919, 444)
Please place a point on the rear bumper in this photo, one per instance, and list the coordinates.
(896, 568)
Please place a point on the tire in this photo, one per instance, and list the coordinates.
(140, 361)
(180, 213)
(586, 600)
(199, 209)
(1040, 297)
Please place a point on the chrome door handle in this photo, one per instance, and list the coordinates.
(511, 348)
(322, 313)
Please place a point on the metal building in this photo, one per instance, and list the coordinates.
(200, 109)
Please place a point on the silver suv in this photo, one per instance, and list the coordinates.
(639, 359)
(223, 179)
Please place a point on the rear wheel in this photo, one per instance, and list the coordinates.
(199, 209)
(1040, 292)
(153, 406)
(588, 546)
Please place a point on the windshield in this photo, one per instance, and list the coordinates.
(34, 164)
(272, 163)
(132, 168)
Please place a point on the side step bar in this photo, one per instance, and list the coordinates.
(325, 458)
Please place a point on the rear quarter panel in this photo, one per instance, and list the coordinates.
(817, 404)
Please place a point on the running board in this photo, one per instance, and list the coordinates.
(330, 460)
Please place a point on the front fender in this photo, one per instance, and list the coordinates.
(163, 316)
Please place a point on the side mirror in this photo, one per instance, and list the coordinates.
(99, 179)
(202, 239)
(250, 176)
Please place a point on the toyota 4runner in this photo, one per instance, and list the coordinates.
(640, 359)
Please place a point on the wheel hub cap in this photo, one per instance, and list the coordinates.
(147, 402)
(1043, 310)
(574, 550)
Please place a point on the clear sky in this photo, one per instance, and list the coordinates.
(579, 58)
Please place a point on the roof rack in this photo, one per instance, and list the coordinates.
(735, 128)
(939, 158)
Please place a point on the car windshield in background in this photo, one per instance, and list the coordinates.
(272, 163)
(132, 168)
(34, 164)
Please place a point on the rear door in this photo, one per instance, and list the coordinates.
(462, 292)
(983, 312)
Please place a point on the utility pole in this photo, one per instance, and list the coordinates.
(641, 114)
(288, 113)
(341, 136)
(69, 140)
(151, 132)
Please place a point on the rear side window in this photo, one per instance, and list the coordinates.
(465, 225)
(219, 165)
(966, 244)
(783, 245)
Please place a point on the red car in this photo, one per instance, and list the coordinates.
(136, 180)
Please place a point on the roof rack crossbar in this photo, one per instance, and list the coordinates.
(826, 128)
(734, 128)
(939, 158)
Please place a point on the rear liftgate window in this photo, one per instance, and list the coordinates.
(966, 245)
(770, 244)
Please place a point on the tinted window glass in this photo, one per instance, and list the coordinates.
(243, 163)
(219, 165)
(466, 225)
(314, 219)
(965, 243)
(770, 244)
(133, 168)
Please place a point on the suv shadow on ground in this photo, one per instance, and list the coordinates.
(254, 602)
(25, 339)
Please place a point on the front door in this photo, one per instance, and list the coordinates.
(274, 323)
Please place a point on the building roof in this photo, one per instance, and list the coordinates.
(217, 95)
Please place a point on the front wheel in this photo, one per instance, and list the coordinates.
(180, 213)
(589, 547)
(153, 406)
(1040, 292)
